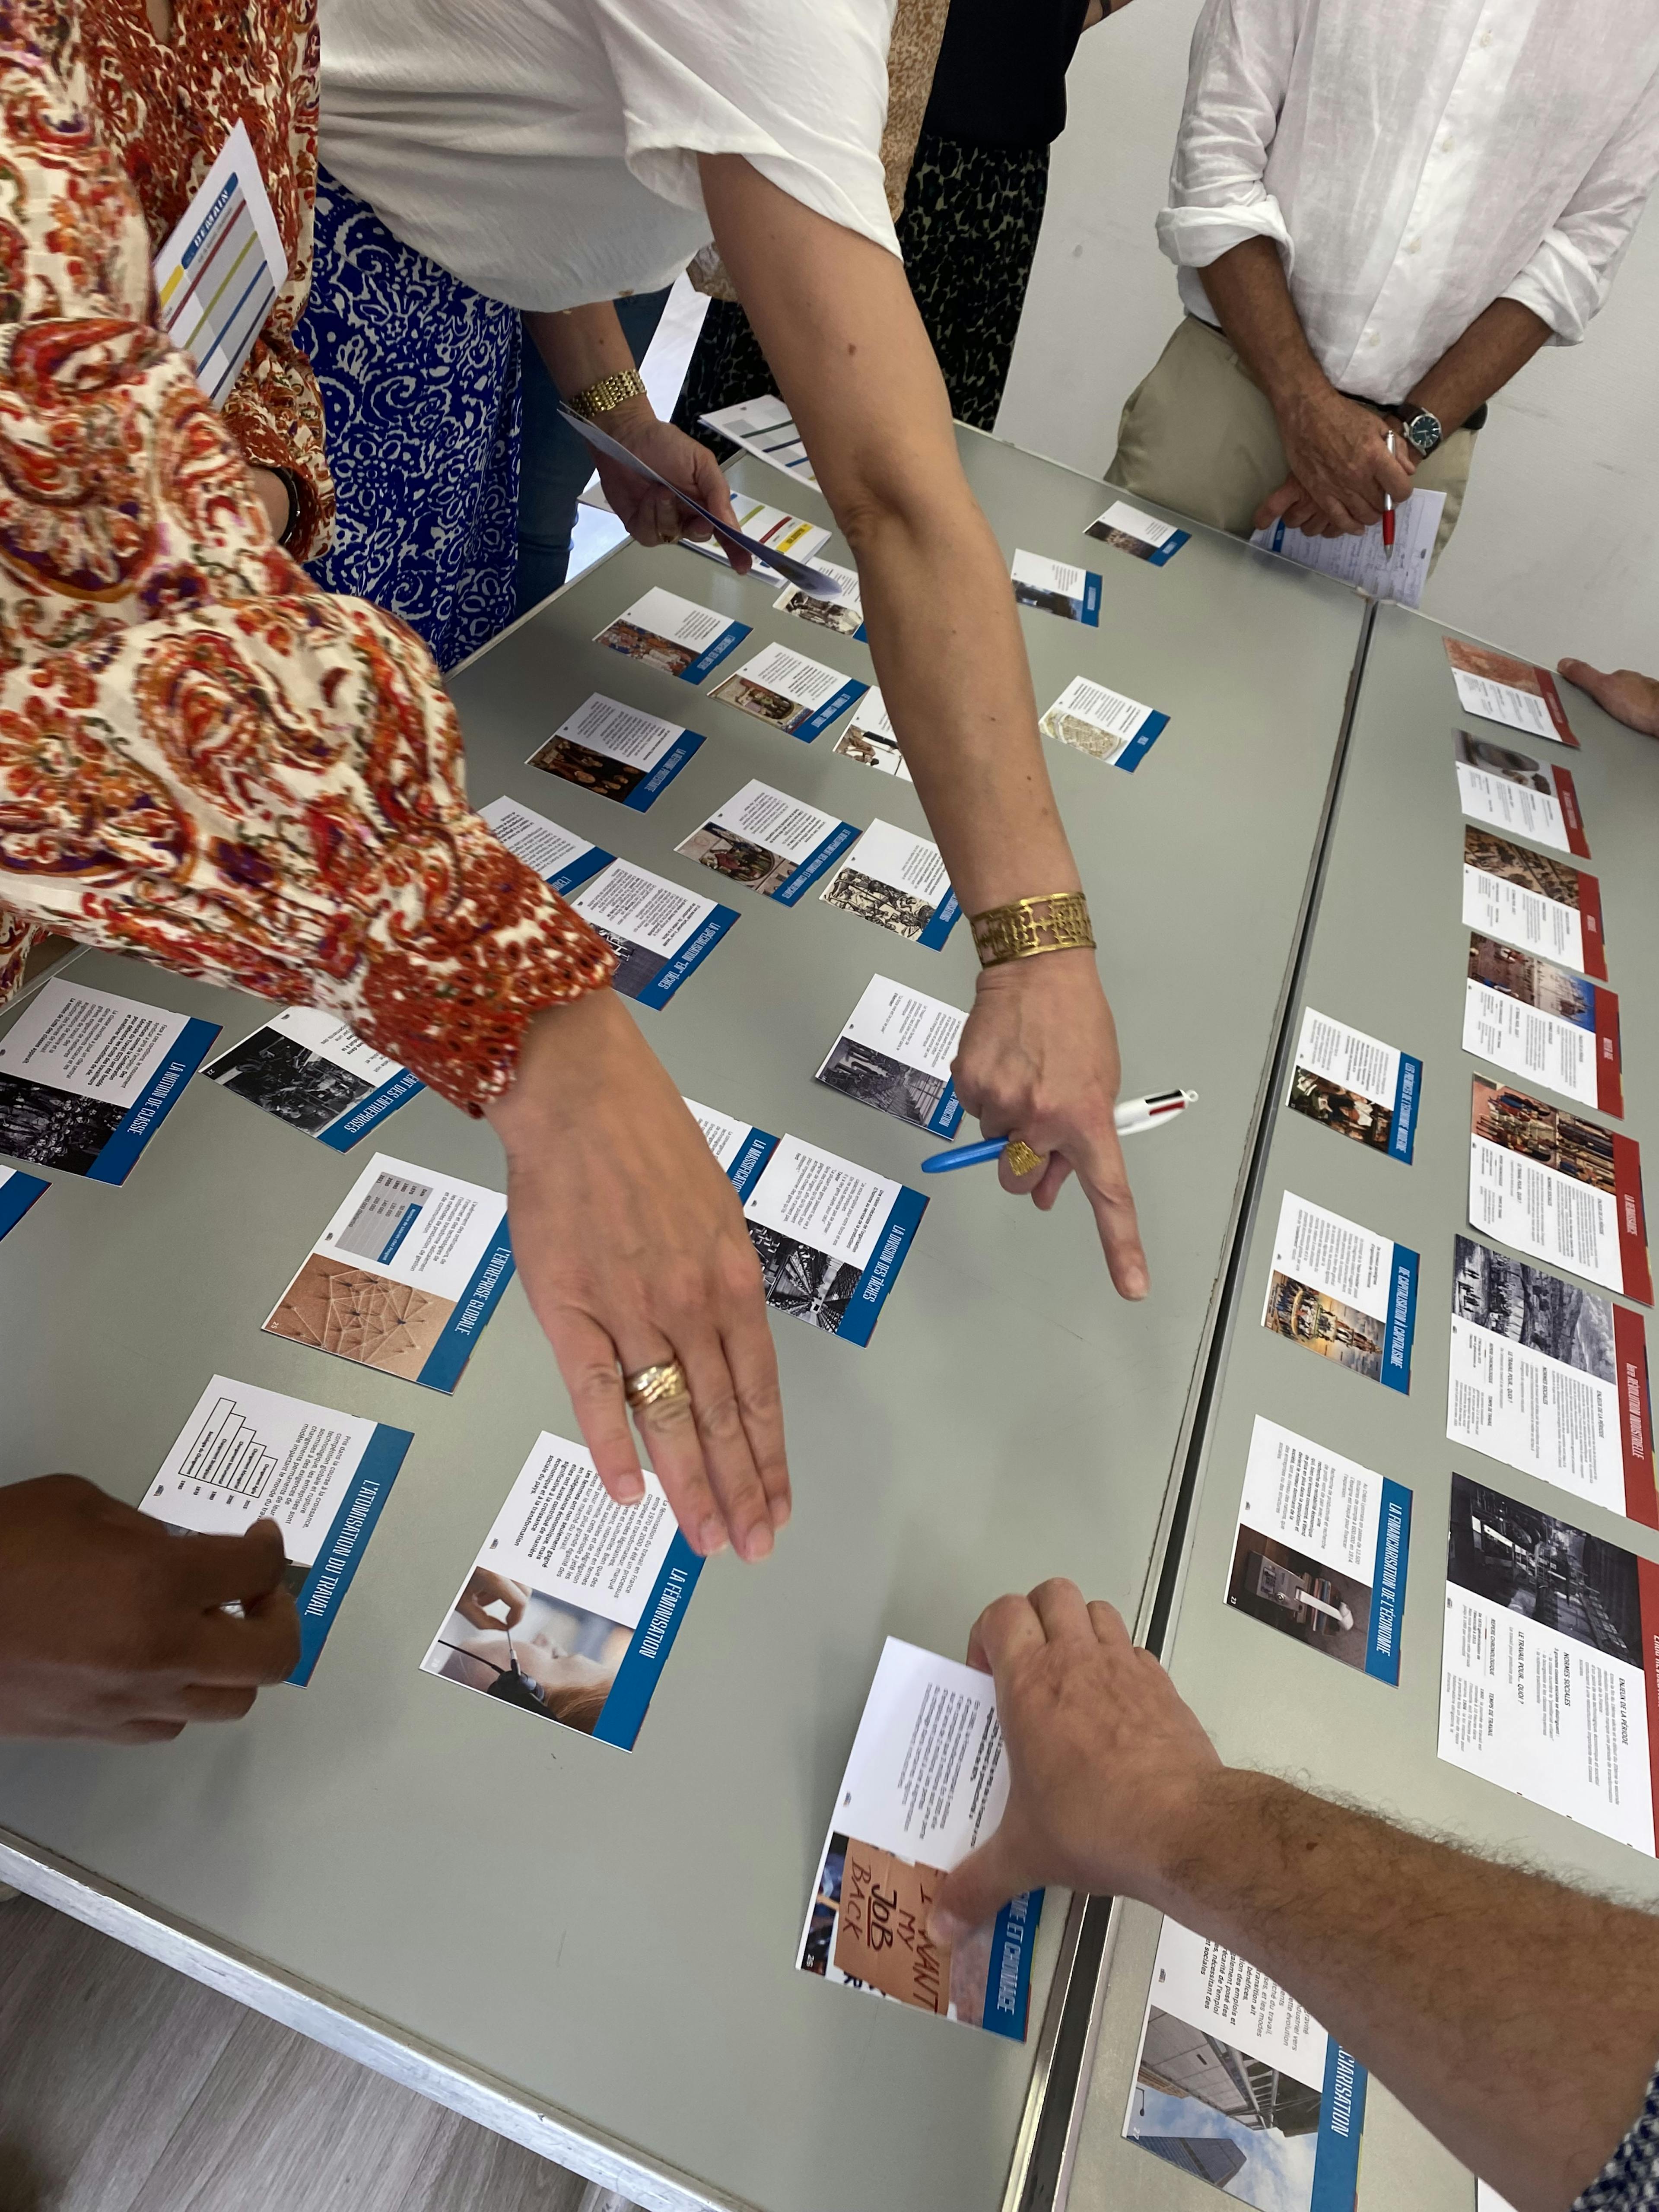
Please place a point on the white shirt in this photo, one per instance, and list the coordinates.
(1415, 161)
(544, 151)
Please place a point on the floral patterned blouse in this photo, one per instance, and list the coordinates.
(204, 759)
(165, 109)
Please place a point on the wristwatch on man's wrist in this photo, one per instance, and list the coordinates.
(1422, 430)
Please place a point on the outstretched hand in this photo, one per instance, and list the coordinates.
(1628, 697)
(651, 515)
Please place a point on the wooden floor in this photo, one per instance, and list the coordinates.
(125, 2088)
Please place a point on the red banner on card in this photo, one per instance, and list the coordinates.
(1567, 795)
(1632, 1221)
(1552, 699)
(1589, 924)
(1630, 1352)
(1647, 1585)
(1609, 1072)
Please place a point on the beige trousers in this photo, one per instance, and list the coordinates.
(1199, 435)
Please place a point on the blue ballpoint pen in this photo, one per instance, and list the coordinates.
(1131, 1115)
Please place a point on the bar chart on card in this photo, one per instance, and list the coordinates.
(221, 267)
(227, 1452)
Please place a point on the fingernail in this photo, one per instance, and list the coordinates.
(944, 1928)
(630, 1488)
(712, 1538)
(757, 1544)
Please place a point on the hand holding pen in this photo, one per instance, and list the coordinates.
(1131, 1116)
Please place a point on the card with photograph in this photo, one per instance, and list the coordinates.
(1357, 1085)
(87, 1078)
(1501, 688)
(1515, 792)
(1558, 1189)
(1140, 535)
(1322, 1551)
(311, 1070)
(616, 751)
(1533, 901)
(1532, 1019)
(790, 692)
(1551, 1379)
(897, 879)
(18, 1192)
(661, 933)
(895, 1054)
(248, 1454)
(674, 634)
(925, 1781)
(571, 1609)
(871, 739)
(1103, 724)
(844, 614)
(405, 1277)
(562, 859)
(1056, 587)
(1337, 1290)
(769, 842)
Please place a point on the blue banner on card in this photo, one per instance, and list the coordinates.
(1341, 2121)
(673, 972)
(1142, 743)
(1402, 1127)
(1008, 1977)
(648, 1648)
(946, 1117)
(450, 1354)
(1168, 549)
(1401, 1321)
(820, 721)
(1394, 1543)
(406, 1220)
(858, 1323)
(342, 1133)
(946, 916)
(583, 870)
(652, 786)
(815, 864)
(115, 1163)
(1091, 598)
(17, 1193)
(336, 1560)
(753, 1153)
(711, 657)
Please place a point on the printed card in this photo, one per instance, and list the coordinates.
(405, 1275)
(572, 1608)
(765, 428)
(674, 634)
(565, 860)
(870, 740)
(1237, 2083)
(1558, 1189)
(1503, 689)
(791, 692)
(1547, 1669)
(248, 1454)
(1056, 587)
(1533, 902)
(1104, 724)
(766, 526)
(1357, 1085)
(1551, 1379)
(1341, 1292)
(617, 751)
(924, 1783)
(1532, 1019)
(1142, 535)
(661, 933)
(1322, 1550)
(1510, 791)
(897, 879)
(740, 1150)
(312, 1071)
(770, 842)
(87, 1079)
(844, 614)
(18, 1192)
(221, 268)
(895, 1054)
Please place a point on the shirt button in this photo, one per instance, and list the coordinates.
(1414, 245)
(1486, 38)
(1446, 143)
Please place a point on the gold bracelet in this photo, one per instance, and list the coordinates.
(1056, 922)
(609, 392)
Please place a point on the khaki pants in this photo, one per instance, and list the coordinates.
(1199, 435)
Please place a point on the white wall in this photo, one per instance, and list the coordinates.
(1558, 550)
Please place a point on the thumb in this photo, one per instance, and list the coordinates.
(985, 1882)
(1277, 503)
(1581, 673)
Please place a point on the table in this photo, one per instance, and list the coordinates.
(1386, 952)
(592, 1953)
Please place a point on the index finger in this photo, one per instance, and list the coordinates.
(1004, 1632)
(1105, 1181)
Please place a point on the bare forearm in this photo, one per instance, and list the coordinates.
(1496, 346)
(1247, 290)
(1429, 1965)
(580, 346)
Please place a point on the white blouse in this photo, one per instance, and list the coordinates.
(544, 151)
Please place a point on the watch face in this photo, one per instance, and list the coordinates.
(1424, 431)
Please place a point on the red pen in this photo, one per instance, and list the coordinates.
(1388, 509)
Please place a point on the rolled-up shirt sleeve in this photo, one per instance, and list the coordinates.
(1239, 70)
(1569, 276)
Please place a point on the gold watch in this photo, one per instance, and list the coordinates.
(608, 394)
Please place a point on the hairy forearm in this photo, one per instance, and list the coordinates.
(1497, 345)
(1247, 288)
(1518, 2020)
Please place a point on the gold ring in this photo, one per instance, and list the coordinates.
(655, 1386)
(1021, 1159)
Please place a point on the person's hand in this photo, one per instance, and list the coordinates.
(633, 1250)
(486, 1589)
(1339, 465)
(1628, 697)
(113, 1629)
(1107, 1767)
(649, 514)
(1038, 1061)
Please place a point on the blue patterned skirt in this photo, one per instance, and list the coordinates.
(420, 383)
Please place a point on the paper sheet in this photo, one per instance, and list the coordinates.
(1365, 561)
